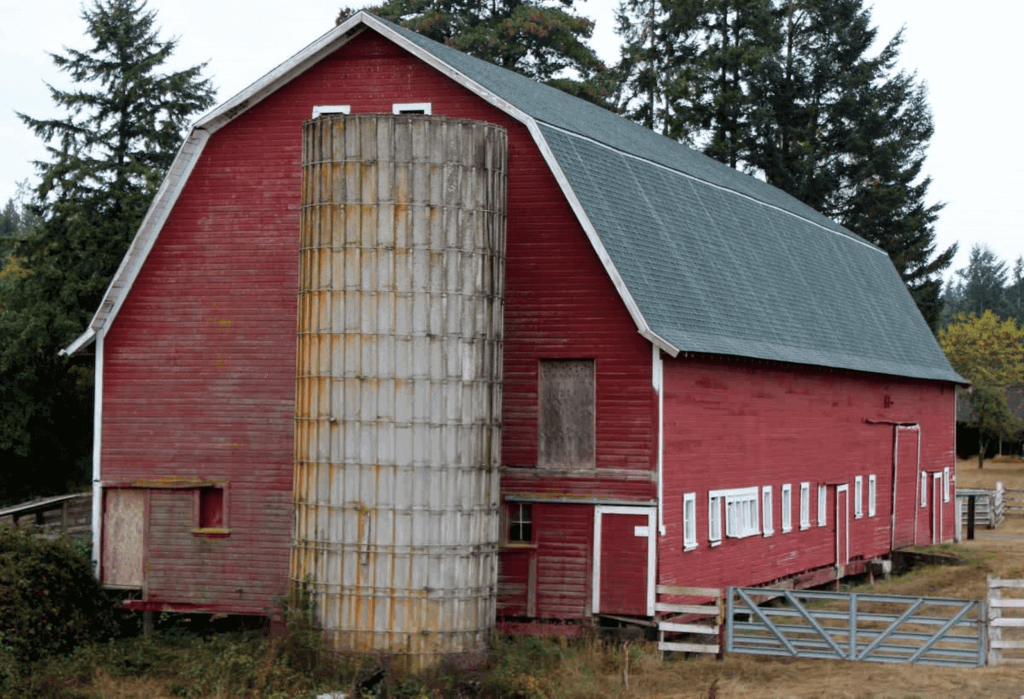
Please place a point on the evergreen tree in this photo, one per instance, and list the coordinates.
(791, 91)
(981, 286)
(123, 123)
(542, 39)
(1015, 293)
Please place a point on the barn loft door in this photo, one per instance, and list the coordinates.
(121, 564)
(906, 454)
(624, 543)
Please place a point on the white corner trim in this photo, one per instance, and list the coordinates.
(97, 436)
(84, 339)
(322, 109)
(658, 383)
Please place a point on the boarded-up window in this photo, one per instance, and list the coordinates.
(123, 514)
(566, 422)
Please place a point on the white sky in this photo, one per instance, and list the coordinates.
(966, 58)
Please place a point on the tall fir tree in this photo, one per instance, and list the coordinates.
(123, 122)
(542, 39)
(981, 286)
(791, 90)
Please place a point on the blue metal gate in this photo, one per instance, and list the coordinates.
(855, 626)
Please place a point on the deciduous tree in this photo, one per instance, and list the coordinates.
(989, 353)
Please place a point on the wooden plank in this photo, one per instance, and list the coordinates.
(1010, 645)
(686, 608)
(689, 591)
(1008, 622)
(674, 627)
(687, 647)
(1006, 584)
(1007, 603)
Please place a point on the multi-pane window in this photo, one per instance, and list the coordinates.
(805, 505)
(766, 511)
(822, 510)
(872, 495)
(787, 507)
(689, 521)
(520, 523)
(741, 512)
(714, 518)
(565, 436)
(858, 496)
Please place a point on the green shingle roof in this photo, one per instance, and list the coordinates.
(718, 261)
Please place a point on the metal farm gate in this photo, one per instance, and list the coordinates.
(854, 626)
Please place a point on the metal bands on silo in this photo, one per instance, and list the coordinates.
(398, 388)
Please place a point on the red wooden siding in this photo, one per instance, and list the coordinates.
(733, 424)
(564, 536)
(199, 364)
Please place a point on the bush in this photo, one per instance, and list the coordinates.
(49, 600)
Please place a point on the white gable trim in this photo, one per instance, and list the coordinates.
(190, 151)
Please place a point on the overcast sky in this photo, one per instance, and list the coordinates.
(967, 60)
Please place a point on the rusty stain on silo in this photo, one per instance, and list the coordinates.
(398, 388)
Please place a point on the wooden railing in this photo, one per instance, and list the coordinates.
(1005, 621)
(989, 505)
(68, 515)
(681, 620)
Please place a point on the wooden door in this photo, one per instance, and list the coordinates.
(122, 552)
(623, 561)
(842, 499)
(905, 486)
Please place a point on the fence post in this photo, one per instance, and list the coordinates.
(971, 509)
(995, 633)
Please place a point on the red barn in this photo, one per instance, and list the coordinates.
(704, 382)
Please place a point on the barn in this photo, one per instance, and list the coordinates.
(691, 377)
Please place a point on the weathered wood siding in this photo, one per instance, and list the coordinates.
(737, 423)
(199, 365)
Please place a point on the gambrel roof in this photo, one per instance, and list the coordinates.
(705, 258)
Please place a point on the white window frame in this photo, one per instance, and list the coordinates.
(858, 497)
(872, 495)
(412, 108)
(322, 109)
(714, 518)
(689, 521)
(766, 511)
(945, 484)
(742, 513)
(822, 505)
(805, 505)
(924, 489)
(787, 507)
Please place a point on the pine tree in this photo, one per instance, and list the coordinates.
(123, 123)
(542, 39)
(982, 285)
(790, 90)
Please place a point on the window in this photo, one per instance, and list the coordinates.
(211, 511)
(766, 511)
(740, 512)
(520, 523)
(945, 484)
(872, 495)
(689, 521)
(714, 519)
(805, 505)
(565, 433)
(787, 508)
(858, 497)
(822, 511)
(411, 108)
(924, 489)
(324, 109)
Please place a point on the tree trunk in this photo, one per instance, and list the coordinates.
(982, 446)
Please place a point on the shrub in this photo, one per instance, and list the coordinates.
(49, 600)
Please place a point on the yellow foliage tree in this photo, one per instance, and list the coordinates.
(988, 352)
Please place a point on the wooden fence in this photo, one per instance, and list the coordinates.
(989, 505)
(1014, 500)
(1005, 621)
(69, 515)
(701, 618)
